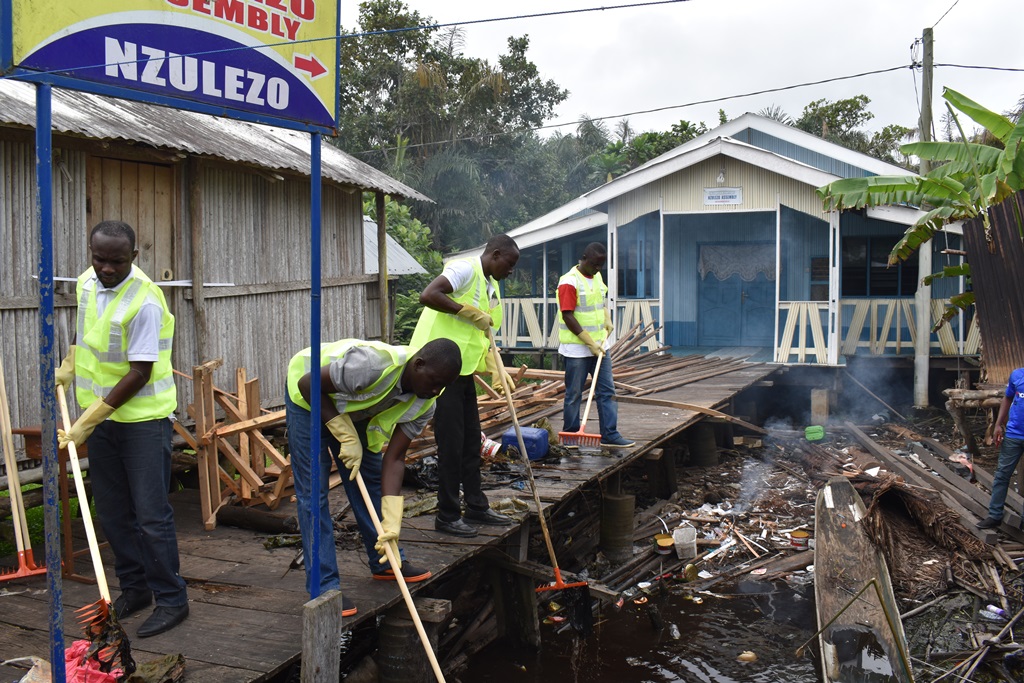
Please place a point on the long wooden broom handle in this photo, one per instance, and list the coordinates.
(83, 501)
(394, 561)
(499, 367)
(590, 396)
(21, 537)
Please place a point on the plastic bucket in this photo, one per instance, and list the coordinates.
(814, 433)
(685, 540)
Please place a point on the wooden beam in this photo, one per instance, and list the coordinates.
(691, 407)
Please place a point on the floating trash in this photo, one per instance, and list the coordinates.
(746, 656)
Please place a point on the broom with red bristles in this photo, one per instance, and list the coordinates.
(109, 642)
(581, 438)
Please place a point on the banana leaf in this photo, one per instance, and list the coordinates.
(997, 124)
(962, 270)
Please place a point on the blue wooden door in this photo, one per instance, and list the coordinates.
(736, 312)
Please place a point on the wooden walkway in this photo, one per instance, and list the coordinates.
(245, 622)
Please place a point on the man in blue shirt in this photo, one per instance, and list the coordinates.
(1009, 436)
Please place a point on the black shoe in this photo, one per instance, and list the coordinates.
(162, 619)
(131, 601)
(488, 517)
(456, 528)
(410, 572)
(989, 523)
(348, 608)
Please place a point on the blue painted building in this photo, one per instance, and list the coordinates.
(723, 242)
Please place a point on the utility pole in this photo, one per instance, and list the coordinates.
(923, 297)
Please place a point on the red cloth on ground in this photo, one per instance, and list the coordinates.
(80, 670)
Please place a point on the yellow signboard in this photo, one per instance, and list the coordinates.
(272, 59)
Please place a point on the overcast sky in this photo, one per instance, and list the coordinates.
(618, 61)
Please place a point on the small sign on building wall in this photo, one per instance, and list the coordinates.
(723, 195)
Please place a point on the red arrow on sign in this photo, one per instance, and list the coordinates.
(310, 65)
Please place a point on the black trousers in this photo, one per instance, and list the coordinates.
(457, 432)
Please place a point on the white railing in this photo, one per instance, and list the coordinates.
(524, 322)
(880, 327)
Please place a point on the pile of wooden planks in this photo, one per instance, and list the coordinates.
(636, 372)
(234, 458)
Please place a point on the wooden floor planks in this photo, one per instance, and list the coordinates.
(245, 604)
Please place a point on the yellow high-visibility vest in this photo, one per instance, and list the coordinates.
(472, 342)
(381, 425)
(590, 296)
(101, 359)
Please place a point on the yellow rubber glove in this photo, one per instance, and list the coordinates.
(391, 508)
(475, 317)
(591, 344)
(493, 370)
(97, 412)
(65, 374)
(351, 451)
(609, 326)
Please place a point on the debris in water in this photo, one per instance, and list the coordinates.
(746, 656)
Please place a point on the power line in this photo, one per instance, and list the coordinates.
(913, 66)
(987, 68)
(648, 111)
(945, 13)
(345, 36)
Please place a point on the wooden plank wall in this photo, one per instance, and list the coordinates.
(19, 255)
(255, 235)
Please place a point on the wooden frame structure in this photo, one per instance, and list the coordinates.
(233, 457)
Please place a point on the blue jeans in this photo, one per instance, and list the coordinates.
(130, 469)
(297, 420)
(577, 370)
(1009, 454)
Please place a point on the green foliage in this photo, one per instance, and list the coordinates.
(971, 178)
(625, 154)
(450, 125)
(415, 238)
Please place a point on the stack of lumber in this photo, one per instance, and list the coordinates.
(636, 372)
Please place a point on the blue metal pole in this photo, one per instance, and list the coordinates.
(47, 364)
(312, 564)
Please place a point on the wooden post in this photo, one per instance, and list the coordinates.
(515, 605)
(321, 635)
(400, 657)
(382, 269)
(819, 406)
(195, 219)
(661, 473)
(700, 439)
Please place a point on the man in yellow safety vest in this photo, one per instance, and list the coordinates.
(121, 365)
(367, 389)
(584, 326)
(463, 304)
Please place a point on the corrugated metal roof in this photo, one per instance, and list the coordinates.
(107, 118)
(400, 262)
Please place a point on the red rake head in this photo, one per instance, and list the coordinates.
(109, 642)
(579, 439)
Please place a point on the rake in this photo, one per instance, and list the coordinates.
(109, 642)
(581, 438)
(559, 583)
(26, 563)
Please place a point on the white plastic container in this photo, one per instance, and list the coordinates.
(685, 540)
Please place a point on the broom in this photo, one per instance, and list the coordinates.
(581, 438)
(26, 562)
(106, 635)
(559, 583)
